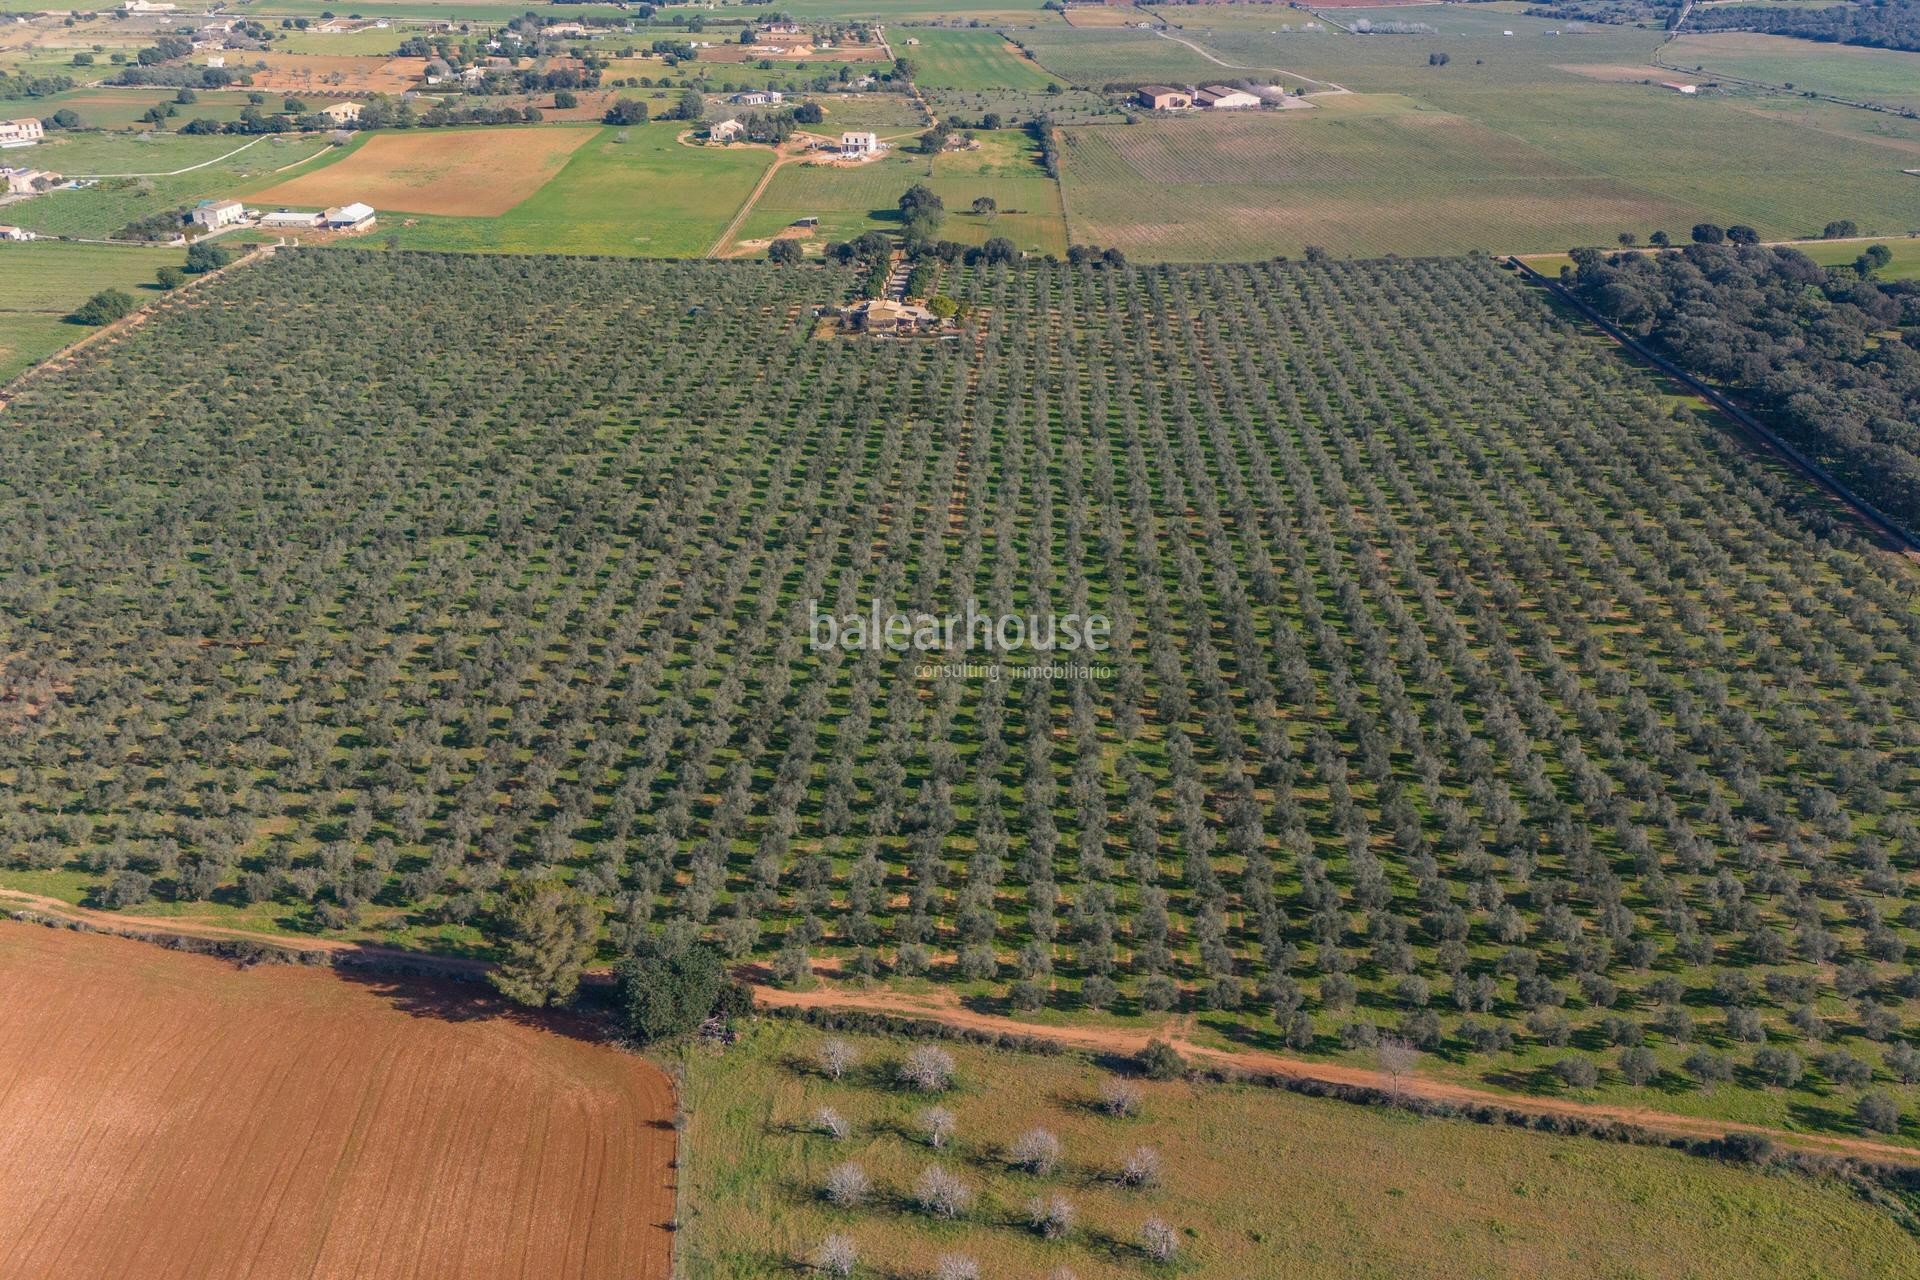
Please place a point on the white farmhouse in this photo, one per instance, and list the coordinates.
(214, 214)
(21, 133)
(859, 144)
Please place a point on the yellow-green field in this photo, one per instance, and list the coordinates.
(41, 281)
(1255, 1183)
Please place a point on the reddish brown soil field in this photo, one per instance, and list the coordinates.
(455, 172)
(173, 1117)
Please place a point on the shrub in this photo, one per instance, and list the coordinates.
(1160, 1061)
(104, 307)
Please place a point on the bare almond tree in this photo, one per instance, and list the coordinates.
(956, 1266)
(941, 1193)
(1120, 1097)
(1159, 1240)
(830, 1122)
(1397, 1058)
(847, 1185)
(836, 1256)
(835, 1058)
(1051, 1217)
(938, 1124)
(928, 1070)
(1141, 1168)
(1037, 1151)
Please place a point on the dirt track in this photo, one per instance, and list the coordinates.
(1175, 1032)
(173, 1117)
(946, 1009)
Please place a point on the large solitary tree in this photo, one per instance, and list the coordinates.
(548, 930)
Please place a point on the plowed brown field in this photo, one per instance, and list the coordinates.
(172, 1117)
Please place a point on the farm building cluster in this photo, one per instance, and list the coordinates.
(1212, 97)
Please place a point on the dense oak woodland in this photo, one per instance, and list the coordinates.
(1833, 357)
(1880, 24)
(1462, 686)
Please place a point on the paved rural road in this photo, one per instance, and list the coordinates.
(945, 1008)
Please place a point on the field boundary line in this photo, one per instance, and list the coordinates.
(746, 206)
(174, 173)
(23, 905)
(1909, 544)
(1255, 1062)
(138, 316)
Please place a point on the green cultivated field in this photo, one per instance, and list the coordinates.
(103, 209)
(1255, 1182)
(1530, 142)
(851, 201)
(1887, 76)
(1092, 57)
(847, 201)
(967, 59)
(649, 195)
(41, 281)
(1359, 176)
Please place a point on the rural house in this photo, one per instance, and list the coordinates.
(21, 133)
(24, 182)
(15, 233)
(725, 131)
(350, 217)
(1219, 97)
(342, 112)
(757, 98)
(859, 144)
(213, 214)
(883, 315)
(1159, 97)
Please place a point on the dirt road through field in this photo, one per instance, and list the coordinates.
(1176, 1032)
